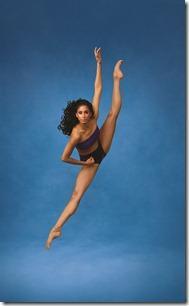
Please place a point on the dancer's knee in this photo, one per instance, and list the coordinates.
(75, 199)
(76, 195)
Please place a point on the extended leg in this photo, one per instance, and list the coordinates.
(83, 181)
(108, 128)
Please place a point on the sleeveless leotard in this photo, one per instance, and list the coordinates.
(89, 141)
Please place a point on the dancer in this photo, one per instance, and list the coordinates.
(79, 121)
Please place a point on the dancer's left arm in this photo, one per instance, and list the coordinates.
(98, 82)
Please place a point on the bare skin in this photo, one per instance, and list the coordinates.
(81, 132)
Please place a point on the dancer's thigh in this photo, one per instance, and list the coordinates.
(107, 131)
(84, 178)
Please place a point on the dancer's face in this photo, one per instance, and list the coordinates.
(83, 114)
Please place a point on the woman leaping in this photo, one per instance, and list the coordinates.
(79, 121)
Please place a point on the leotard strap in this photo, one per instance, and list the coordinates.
(88, 142)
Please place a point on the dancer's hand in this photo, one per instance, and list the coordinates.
(98, 55)
(90, 161)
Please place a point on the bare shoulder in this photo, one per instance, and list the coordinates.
(78, 133)
(75, 134)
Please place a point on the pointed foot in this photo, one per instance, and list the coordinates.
(54, 233)
(118, 74)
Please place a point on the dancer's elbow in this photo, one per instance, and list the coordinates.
(98, 89)
(64, 158)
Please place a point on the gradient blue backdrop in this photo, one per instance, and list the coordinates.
(126, 243)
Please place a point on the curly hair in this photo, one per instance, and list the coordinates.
(69, 119)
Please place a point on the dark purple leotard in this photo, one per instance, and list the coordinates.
(88, 142)
(97, 154)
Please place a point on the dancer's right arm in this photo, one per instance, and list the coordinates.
(74, 139)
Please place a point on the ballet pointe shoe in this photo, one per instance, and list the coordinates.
(54, 233)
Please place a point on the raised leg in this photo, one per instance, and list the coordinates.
(84, 178)
(109, 125)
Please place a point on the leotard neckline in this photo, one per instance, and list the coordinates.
(89, 141)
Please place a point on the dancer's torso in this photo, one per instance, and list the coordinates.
(86, 137)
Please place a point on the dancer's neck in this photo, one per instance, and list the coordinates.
(84, 126)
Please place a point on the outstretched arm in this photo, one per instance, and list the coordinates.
(98, 82)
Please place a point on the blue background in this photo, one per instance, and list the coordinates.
(126, 243)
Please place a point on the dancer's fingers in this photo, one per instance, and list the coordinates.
(96, 50)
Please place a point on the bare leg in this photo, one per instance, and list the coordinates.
(108, 128)
(84, 178)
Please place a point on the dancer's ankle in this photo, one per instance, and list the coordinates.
(57, 227)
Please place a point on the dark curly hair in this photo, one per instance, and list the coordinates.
(69, 119)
